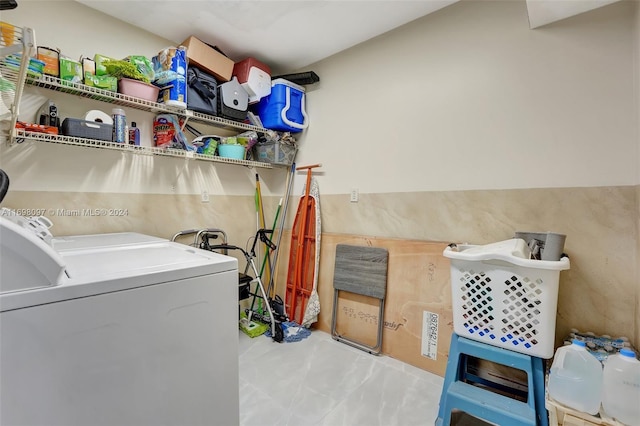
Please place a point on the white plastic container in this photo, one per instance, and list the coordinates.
(621, 387)
(503, 298)
(575, 379)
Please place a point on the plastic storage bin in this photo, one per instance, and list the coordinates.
(502, 298)
(138, 89)
(575, 378)
(284, 108)
(275, 153)
(621, 387)
(235, 151)
(87, 129)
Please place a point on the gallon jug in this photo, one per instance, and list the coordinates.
(575, 379)
(621, 387)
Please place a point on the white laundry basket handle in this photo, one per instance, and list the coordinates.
(287, 105)
(477, 254)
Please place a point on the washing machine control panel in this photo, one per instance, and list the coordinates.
(39, 225)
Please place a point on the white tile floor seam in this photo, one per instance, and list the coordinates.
(321, 382)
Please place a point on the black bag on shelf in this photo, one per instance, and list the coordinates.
(202, 91)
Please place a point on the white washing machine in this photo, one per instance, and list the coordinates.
(79, 242)
(115, 329)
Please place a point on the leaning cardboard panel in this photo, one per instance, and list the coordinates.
(418, 300)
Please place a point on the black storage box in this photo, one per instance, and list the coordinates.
(233, 100)
(244, 286)
(86, 129)
(202, 91)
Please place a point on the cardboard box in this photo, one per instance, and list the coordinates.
(70, 70)
(207, 58)
(51, 59)
(417, 312)
(106, 82)
(100, 60)
(418, 320)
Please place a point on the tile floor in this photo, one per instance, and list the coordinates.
(319, 381)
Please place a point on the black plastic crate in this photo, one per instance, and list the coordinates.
(86, 129)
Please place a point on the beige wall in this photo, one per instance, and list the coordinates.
(467, 126)
(470, 98)
(464, 125)
(637, 93)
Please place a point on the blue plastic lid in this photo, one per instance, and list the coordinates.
(627, 352)
(579, 343)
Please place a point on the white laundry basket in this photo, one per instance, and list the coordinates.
(502, 298)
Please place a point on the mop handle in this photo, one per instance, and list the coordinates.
(313, 166)
(274, 265)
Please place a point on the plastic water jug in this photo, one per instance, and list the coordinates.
(575, 379)
(621, 387)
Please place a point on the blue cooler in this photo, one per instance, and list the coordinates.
(283, 109)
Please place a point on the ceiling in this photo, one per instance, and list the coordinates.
(543, 12)
(290, 35)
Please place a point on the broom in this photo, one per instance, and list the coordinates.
(247, 325)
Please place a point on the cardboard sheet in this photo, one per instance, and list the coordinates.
(418, 321)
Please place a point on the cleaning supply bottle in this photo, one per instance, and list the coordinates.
(575, 379)
(621, 387)
(119, 125)
(134, 134)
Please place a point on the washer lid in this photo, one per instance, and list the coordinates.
(100, 270)
(75, 242)
(140, 260)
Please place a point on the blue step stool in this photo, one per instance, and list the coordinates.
(485, 404)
